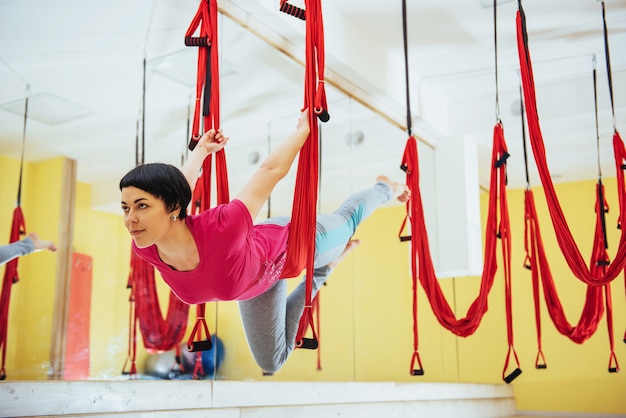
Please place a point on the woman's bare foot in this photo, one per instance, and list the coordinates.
(352, 244)
(41, 244)
(400, 191)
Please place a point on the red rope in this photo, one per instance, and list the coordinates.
(18, 228)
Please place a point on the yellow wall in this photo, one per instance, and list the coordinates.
(366, 325)
(577, 378)
(104, 237)
(28, 348)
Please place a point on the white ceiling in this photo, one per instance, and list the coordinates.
(89, 53)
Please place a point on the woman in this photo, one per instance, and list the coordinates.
(26, 246)
(221, 255)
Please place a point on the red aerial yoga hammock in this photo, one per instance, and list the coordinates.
(301, 248)
(563, 234)
(536, 261)
(158, 333)
(301, 242)
(421, 261)
(208, 99)
(18, 228)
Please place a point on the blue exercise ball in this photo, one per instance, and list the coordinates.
(211, 359)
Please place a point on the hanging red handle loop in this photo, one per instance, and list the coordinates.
(200, 345)
(404, 238)
(540, 361)
(508, 378)
(613, 364)
(419, 371)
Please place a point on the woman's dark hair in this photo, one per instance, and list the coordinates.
(163, 181)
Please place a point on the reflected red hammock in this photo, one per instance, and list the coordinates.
(18, 228)
(158, 333)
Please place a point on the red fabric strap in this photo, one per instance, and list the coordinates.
(208, 56)
(301, 244)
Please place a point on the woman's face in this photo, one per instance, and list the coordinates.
(145, 216)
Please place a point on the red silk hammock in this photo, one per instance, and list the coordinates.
(158, 333)
(301, 242)
(202, 33)
(564, 236)
(497, 226)
(599, 276)
(18, 228)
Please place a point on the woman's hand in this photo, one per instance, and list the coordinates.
(303, 122)
(212, 141)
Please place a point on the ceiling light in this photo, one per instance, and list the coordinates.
(181, 66)
(48, 108)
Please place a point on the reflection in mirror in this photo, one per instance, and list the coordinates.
(101, 338)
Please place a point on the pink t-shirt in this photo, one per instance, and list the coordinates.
(238, 260)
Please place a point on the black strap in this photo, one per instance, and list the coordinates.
(406, 68)
(293, 10)
(188, 131)
(206, 99)
(595, 99)
(524, 30)
(601, 204)
(522, 111)
(608, 63)
(19, 184)
(141, 141)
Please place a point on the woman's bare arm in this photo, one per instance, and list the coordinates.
(275, 167)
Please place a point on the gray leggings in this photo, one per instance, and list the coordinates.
(270, 320)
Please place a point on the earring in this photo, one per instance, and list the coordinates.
(174, 217)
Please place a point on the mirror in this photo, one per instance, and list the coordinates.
(261, 97)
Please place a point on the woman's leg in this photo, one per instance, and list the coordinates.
(264, 319)
(271, 324)
(335, 230)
